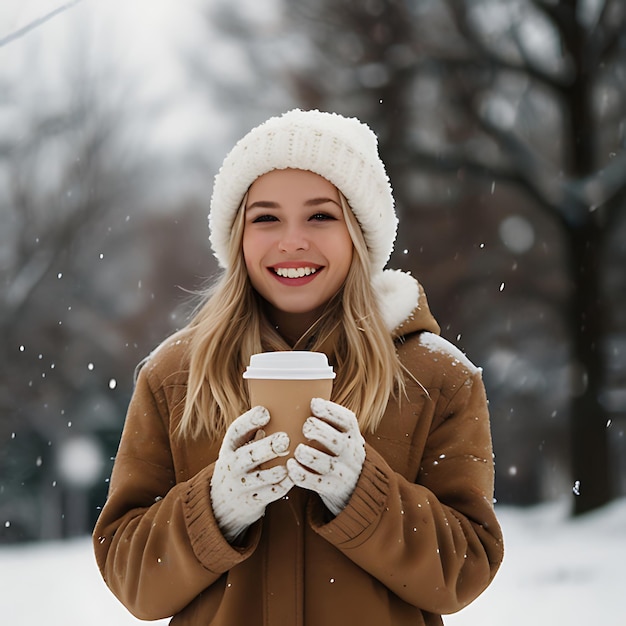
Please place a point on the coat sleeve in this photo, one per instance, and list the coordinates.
(435, 543)
(156, 542)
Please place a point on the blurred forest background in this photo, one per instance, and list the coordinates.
(503, 126)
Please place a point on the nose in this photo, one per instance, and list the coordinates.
(293, 239)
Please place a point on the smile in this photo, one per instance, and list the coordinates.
(294, 272)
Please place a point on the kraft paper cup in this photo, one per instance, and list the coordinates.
(284, 383)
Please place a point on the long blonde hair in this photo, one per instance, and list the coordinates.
(230, 326)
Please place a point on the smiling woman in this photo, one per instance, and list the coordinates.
(384, 515)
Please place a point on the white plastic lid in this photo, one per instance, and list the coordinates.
(289, 365)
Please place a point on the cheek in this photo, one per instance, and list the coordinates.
(252, 268)
(250, 248)
(248, 256)
(254, 247)
(347, 249)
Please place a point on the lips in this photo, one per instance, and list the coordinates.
(295, 275)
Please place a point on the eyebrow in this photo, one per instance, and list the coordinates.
(269, 204)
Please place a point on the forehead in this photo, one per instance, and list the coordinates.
(293, 183)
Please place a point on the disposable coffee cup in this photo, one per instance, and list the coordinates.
(284, 383)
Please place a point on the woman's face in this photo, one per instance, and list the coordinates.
(296, 244)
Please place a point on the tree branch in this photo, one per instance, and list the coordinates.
(7, 39)
(458, 11)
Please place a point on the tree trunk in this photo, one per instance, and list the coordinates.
(589, 441)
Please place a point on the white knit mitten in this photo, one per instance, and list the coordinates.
(333, 476)
(240, 491)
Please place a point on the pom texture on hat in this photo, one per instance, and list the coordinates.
(342, 150)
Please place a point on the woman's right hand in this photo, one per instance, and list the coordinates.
(240, 490)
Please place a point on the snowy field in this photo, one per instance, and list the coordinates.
(556, 571)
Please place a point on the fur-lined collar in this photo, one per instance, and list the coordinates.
(403, 303)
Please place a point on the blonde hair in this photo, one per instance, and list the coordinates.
(230, 326)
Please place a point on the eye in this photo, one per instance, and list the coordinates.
(264, 218)
(322, 217)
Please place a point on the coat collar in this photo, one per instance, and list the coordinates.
(403, 304)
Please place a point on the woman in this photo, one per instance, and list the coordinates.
(394, 523)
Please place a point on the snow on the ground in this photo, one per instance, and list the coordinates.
(556, 570)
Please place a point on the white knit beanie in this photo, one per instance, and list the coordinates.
(342, 150)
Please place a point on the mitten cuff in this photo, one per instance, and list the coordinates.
(207, 540)
(231, 519)
(364, 507)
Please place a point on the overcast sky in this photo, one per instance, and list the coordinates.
(140, 43)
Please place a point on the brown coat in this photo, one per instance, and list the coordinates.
(419, 537)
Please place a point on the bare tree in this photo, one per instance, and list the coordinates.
(559, 135)
(65, 174)
(85, 276)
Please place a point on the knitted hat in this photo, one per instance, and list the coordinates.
(342, 150)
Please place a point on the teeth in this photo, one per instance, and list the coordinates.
(293, 272)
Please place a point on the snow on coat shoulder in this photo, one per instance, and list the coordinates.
(436, 343)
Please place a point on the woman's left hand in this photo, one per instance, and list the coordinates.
(332, 475)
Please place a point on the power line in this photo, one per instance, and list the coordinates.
(35, 23)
